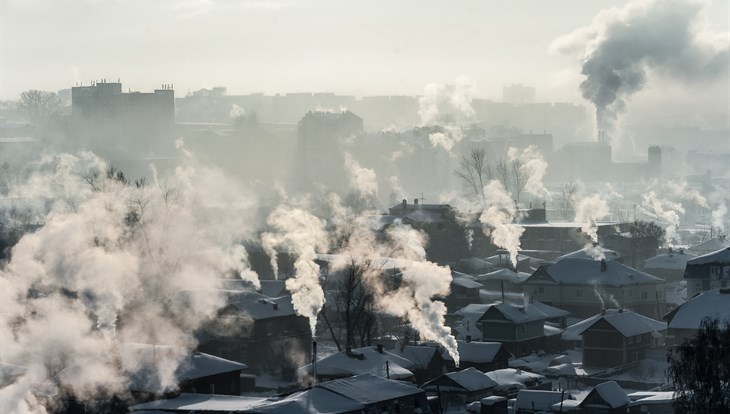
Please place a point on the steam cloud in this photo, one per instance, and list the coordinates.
(536, 166)
(624, 45)
(449, 107)
(302, 233)
(587, 211)
(362, 180)
(111, 251)
(499, 215)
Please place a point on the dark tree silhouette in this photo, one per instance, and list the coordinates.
(41, 105)
(475, 172)
(700, 370)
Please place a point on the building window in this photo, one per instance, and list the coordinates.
(542, 289)
(523, 329)
(578, 292)
(630, 340)
(638, 338)
(644, 295)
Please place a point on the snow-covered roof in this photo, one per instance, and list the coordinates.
(689, 315)
(478, 352)
(420, 356)
(710, 245)
(549, 311)
(591, 253)
(539, 400)
(611, 393)
(504, 259)
(201, 402)
(372, 362)
(369, 389)
(504, 274)
(588, 272)
(513, 378)
(651, 397)
(669, 261)
(519, 314)
(625, 321)
(189, 365)
(466, 283)
(313, 400)
(719, 256)
(551, 330)
(470, 379)
(562, 370)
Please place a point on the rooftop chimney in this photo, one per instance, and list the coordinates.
(603, 265)
(314, 361)
(620, 310)
(415, 201)
(405, 204)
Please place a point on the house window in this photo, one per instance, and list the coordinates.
(542, 289)
(638, 338)
(523, 329)
(630, 340)
(644, 295)
(578, 292)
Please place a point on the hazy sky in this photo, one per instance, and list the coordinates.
(274, 46)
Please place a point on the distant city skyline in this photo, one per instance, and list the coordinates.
(349, 48)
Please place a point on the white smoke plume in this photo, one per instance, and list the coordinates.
(598, 295)
(111, 251)
(718, 217)
(498, 216)
(236, 112)
(665, 210)
(624, 46)
(422, 281)
(303, 234)
(362, 180)
(588, 210)
(536, 166)
(448, 107)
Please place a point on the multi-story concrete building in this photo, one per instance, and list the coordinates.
(711, 271)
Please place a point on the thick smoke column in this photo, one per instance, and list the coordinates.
(499, 216)
(587, 211)
(449, 107)
(623, 46)
(302, 233)
(151, 255)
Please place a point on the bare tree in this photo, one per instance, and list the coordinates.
(520, 174)
(475, 172)
(353, 318)
(41, 105)
(567, 196)
(503, 174)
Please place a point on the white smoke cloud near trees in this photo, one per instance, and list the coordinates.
(448, 107)
(111, 250)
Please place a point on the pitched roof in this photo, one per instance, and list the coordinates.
(689, 315)
(420, 356)
(313, 400)
(470, 379)
(513, 378)
(517, 314)
(201, 402)
(626, 322)
(590, 253)
(669, 261)
(466, 283)
(539, 400)
(611, 393)
(588, 272)
(710, 245)
(478, 352)
(504, 274)
(369, 389)
(372, 362)
(720, 256)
